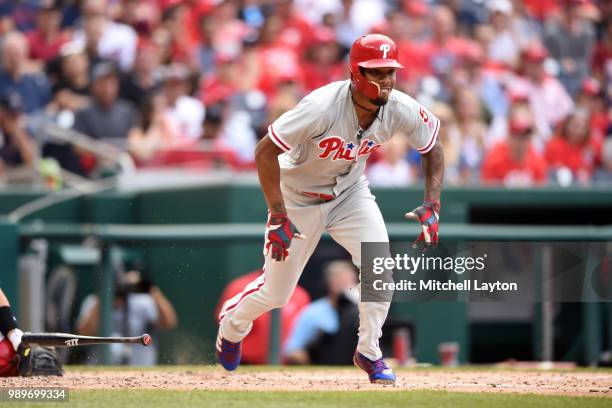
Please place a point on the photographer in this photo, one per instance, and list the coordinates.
(16, 147)
(138, 307)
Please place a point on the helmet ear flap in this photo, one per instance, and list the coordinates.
(361, 84)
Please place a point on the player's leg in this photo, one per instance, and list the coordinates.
(357, 218)
(275, 286)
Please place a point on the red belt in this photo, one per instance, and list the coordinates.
(322, 197)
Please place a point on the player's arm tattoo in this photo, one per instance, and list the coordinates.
(268, 170)
(278, 207)
(433, 169)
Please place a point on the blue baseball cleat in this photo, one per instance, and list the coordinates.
(228, 353)
(378, 371)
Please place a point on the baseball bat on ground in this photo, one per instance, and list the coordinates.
(71, 340)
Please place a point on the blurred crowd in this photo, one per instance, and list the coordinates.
(522, 86)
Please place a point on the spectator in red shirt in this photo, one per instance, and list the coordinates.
(550, 101)
(573, 149)
(270, 50)
(47, 39)
(323, 63)
(542, 9)
(591, 98)
(223, 83)
(514, 162)
(296, 32)
(255, 345)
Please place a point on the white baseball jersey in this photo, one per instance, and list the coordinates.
(325, 153)
(326, 150)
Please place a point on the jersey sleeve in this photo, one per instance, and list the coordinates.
(297, 125)
(419, 125)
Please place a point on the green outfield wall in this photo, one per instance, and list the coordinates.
(193, 260)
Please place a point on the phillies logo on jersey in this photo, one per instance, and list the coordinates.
(336, 148)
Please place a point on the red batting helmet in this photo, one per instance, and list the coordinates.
(371, 51)
(8, 368)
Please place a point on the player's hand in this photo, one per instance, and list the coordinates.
(23, 360)
(280, 231)
(427, 215)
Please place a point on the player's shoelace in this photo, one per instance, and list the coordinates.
(380, 365)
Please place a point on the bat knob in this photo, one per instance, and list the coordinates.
(146, 340)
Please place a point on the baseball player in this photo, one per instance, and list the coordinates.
(17, 358)
(311, 169)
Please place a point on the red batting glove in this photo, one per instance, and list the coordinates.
(279, 233)
(427, 215)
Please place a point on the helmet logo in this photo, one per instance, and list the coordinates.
(385, 48)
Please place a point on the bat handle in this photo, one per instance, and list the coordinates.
(146, 339)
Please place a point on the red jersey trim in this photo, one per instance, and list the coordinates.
(277, 140)
(432, 141)
(243, 296)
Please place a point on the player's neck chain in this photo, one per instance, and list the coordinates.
(364, 108)
(376, 114)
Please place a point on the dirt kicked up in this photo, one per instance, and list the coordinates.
(568, 383)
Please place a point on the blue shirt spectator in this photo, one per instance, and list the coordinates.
(32, 87)
(318, 316)
(325, 331)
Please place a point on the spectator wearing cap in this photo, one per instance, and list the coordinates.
(227, 31)
(571, 41)
(296, 31)
(114, 41)
(185, 110)
(542, 9)
(514, 162)
(473, 74)
(221, 85)
(573, 149)
(323, 61)
(549, 100)
(417, 12)
(47, 38)
(32, 86)
(16, 146)
(107, 116)
(270, 50)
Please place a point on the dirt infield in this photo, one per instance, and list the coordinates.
(596, 383)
